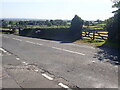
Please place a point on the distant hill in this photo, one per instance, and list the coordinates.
(21, 19)
(25, 19)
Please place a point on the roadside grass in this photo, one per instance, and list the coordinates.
(91, 42)
(98, 42)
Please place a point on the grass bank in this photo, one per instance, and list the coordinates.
(99, 43)
(91, 42)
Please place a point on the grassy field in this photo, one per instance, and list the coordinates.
(5, 29)
(94, 27)
(45, 26)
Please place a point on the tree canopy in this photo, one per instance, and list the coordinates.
(113, 25)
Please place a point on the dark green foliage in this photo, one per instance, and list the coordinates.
(86, 23)
(113, 27)
(44, 22)
(76, 27)
(4, 23)
(99, 21)
(48, 23)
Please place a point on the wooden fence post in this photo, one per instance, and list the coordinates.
(93, 35)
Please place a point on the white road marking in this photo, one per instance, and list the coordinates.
(48, 41)
(34, 43)
(62, 85)
(48, 77)
(17, 58)
(25, 63)
(30, 42)
(68, 51)
(39, 44)
(17, 39)
(93, 61)
(36, 70)
(3, 50)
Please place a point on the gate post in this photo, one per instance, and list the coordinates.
(93, 35)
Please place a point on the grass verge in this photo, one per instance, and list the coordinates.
(91, 42)
(99, 43)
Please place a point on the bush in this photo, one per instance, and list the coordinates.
(113, 28)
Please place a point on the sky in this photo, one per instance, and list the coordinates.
(56, 9)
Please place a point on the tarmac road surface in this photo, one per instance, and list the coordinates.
(74, 63)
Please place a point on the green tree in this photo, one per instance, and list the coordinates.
(113, 26)
(48, 23)
(76, 27)
(86, 23)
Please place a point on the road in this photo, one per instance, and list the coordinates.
(16, 74)
(73, 64)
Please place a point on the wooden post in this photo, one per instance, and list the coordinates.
(93, 35)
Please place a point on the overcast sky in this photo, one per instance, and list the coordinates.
(56, 9)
